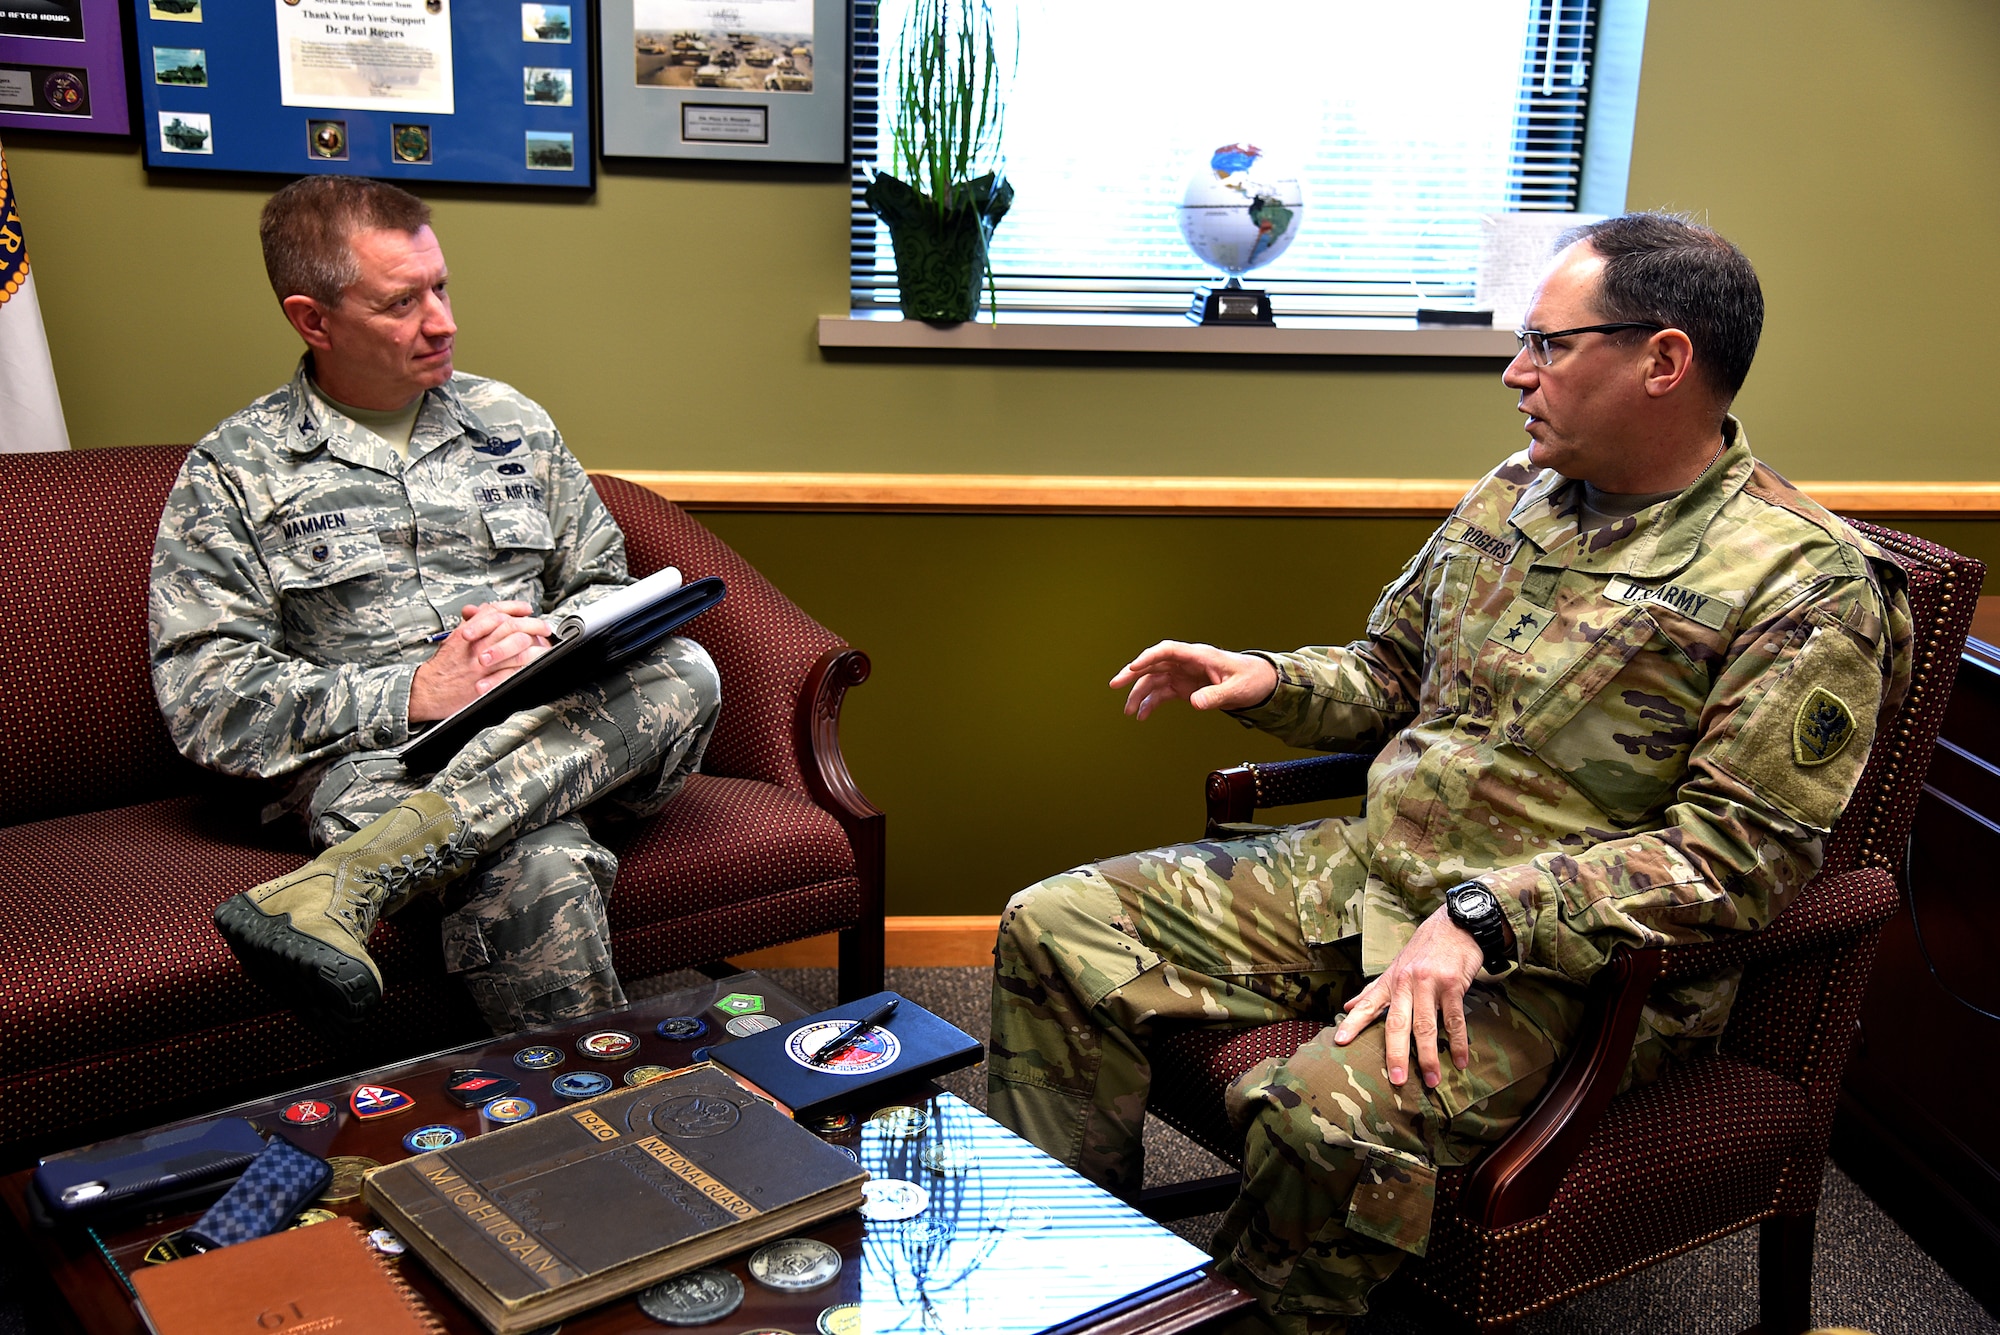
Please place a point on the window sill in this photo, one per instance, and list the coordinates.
(1295, 335)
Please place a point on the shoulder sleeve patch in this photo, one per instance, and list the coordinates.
(1824, 726)
(1808, 737)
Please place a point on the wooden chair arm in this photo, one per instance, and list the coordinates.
(1518, 1177)
(1237, 793)
(816, 731)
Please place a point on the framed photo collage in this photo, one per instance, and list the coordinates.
(491, 91)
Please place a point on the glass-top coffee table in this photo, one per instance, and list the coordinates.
(1010, 1242)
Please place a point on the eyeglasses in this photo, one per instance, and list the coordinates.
(1537, 342)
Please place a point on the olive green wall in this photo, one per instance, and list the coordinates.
(667, 322)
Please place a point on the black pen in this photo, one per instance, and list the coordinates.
(845, 1038)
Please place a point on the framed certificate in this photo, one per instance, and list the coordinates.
(750, 80)
(439, 90)
(62, 66)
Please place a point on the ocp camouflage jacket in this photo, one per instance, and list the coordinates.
(301, 563)
(1638, 734)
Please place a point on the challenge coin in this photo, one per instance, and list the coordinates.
(681, 1027)
(947, 1159)
(741, 1003)
(745, 1025)
(795, 1265)
(540, 1057)
(890, 1199)
(370, 1101)
(900, 1121)
(385, 1242)
(841, 1319)
(345, 1184)
(427, 1138)
(307, 1218)
(469, 1089)
(694, 1299)
(581, 1084)
(508, 1110)
(306, 1112)
(168, 1249)
(830, 1124)
(849, 1152)
(646, 1075)
(608, 1045)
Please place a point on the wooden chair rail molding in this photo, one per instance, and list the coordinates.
(1005, 493)
(913, 942)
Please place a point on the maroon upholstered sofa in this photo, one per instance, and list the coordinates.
(119, 1004)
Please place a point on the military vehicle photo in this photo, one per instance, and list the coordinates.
(545, 87)
(548, 151)
(746, 61)
(175, 11)
(545, 23)
(185, 132)
(186, 65)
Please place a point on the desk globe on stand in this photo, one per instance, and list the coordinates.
(1237, 215)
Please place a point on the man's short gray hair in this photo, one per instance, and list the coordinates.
(307, 230)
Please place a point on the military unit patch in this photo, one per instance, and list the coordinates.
(379, 1101)
(1822, 727)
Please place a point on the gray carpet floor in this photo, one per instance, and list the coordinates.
(1867, 1273)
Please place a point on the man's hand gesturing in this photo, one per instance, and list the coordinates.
(493, 641)
(1201, 674)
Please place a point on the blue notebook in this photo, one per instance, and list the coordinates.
(912, 1044)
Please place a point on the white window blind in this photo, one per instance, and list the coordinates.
(1403, 123)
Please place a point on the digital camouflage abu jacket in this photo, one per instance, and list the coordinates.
(302, 563)
(1637, 734)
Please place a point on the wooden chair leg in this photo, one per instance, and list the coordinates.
(1784, 1274)
(861, 962)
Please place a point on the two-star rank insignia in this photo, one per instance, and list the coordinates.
(1518, 626)
(378, 1101)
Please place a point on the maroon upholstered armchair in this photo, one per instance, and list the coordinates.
(1590, 1186)
(123, 1007)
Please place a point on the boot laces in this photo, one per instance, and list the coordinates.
(414, 873)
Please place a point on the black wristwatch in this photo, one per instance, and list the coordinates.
(1476, 910)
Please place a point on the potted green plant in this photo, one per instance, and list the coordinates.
(949, 112)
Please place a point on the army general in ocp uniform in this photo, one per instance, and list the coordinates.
(364, 551)
(1619, 697)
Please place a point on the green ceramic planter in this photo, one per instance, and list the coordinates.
(940, 253)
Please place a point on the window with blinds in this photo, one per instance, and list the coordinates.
(1403, 123)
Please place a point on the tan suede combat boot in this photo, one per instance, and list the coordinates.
(301, 935)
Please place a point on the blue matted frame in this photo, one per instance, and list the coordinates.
(485, 139)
